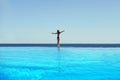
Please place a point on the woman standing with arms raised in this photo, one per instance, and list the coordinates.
(58, 37)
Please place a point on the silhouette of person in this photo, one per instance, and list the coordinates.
(58, 37)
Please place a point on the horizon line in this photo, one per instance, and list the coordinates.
(62, 45)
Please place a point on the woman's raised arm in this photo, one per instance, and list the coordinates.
(53, 33)
(62, 31)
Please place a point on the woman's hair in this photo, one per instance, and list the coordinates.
(58, 31)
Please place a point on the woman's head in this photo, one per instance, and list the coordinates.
(58, 31)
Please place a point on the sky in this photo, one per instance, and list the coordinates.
(84, 21)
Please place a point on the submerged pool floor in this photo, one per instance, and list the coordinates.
(38, 63)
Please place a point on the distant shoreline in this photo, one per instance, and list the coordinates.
(62, 45)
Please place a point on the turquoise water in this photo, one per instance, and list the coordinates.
(38, 63)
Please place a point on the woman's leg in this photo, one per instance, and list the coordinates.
(58, 42)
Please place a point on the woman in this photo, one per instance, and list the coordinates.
(58, 37)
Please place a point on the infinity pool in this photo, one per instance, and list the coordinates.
(45, 63)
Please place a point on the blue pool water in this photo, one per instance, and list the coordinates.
(45, 63)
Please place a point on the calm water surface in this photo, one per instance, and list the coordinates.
(45, 63)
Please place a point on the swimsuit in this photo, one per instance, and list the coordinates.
(58, 38)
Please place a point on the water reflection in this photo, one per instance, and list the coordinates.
(59, 60)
